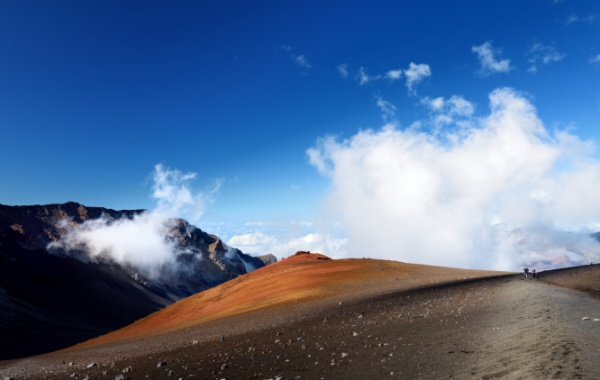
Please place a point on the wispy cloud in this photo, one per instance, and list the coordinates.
(363, 78)
(540, 55)
(174, 197)
(575, 18)
(415, 74)
(301, 61)
(343, 70)
(488, 61)
(595, 59)
(388, 110)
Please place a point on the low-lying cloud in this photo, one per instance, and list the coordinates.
(142, 241)
(498, 191)
(284, 245)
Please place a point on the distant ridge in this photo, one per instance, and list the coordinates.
(54, 299)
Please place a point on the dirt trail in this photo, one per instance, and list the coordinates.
(537, 332)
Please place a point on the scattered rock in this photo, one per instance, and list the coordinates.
(585, 318)
(127, 369)
(161, 363)
(354, 333)
(344, 354)
(120, 377)
(361, 315)
(92, 365)
(194, 342)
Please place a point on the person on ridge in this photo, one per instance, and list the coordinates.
(533, 274)
(525, 271)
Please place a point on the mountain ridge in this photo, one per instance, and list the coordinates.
(54, 296)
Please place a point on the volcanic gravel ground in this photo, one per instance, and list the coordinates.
(505, 327)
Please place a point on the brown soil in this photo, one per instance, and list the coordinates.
(306, 318)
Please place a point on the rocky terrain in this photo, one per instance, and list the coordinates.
(341, 319)
(53, 296)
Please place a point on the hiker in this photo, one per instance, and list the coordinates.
(533, 274)
(525, 271)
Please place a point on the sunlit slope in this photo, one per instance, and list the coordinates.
(300, 278)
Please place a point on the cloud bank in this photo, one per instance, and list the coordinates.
(503, 192)
(283, 245)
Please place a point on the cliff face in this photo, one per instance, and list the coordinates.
(53, 296)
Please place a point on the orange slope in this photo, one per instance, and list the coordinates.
(301, 277)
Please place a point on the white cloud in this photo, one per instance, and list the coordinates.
(252, 239)
(455, 110)
(487, 58)
(572, 19)
(589, 19)
(282, 246)
(394, 74)
(388, 110)
(343, 70)
(471, 202)
(301, 61)
(595, 59)
(455, 105)
(142, 240)
(174, 197)
(415, 74)
(542, 55)
(363, 78)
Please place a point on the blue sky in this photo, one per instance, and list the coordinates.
(95, 94)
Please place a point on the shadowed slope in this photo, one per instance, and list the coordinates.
(54, 293)
(584, 278)
(302, 277)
